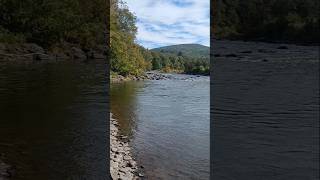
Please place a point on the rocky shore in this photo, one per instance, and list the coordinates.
(6, 171)
(122, 164)
(29, 52)
(149, 75)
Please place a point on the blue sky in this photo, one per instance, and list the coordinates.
(169, 22)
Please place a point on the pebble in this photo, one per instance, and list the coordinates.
(122, 165)
(127, 158)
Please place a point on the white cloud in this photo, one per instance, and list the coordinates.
(167, 22)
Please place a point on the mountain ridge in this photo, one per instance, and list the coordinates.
(189, 50)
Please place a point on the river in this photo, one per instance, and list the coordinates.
(265, 111)
(167, 122)
(53, 120)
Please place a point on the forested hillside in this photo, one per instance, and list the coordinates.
(189, 58)
(129, 58)
(52, 23)
(267, 20)
(190, 50)
(126, 57)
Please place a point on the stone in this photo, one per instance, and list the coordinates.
(41, 57)
(114, 175)
(77, 53)
(33, 48)
(122, 166)
(126, 176)
(127, 158)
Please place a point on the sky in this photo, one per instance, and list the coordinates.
(169, 22)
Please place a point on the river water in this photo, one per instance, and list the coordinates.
(168, 125)
(53, 120)
(265, 111)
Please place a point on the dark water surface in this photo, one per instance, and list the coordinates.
(53, 120)
(168, 124)
(265, 112)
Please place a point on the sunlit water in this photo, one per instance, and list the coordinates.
(168, 124)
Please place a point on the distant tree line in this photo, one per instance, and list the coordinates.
(274, 20)
(178, 62)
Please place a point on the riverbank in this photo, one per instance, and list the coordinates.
(122, 164)
(148, 111)
(149, 75)
(29, 52)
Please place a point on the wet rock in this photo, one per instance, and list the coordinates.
(122, 165)
(156, 76)
(124, 176)
(114, 175)
(127, 158)
(77, 53)
(129, 164)
(33, 48)
(41, 57)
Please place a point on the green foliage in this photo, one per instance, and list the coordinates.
(126, 56)
(51, 22)
(54, 24)
(9, 37)
(276, 20)
(187, 58)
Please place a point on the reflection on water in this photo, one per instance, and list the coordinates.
(123, 104)
(53, 120)
(168, 124)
